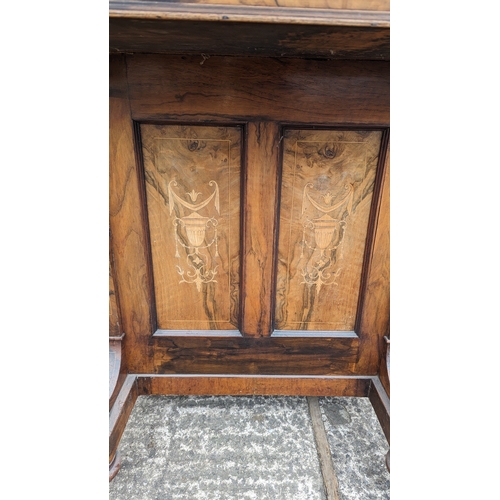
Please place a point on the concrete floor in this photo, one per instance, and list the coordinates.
(248, 447)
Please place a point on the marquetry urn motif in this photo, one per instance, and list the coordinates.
(192, 178)
(328, 236)
(202, 268)
(327, 187)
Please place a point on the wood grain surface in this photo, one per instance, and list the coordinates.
(115, 328)
(262, 98)
(120, 412)
(117, 362)
(294, 355)
(373, 320)
(327, 187)
(192, 178)
(228, 89)
(248, 385)
(259, 228)
(378, 5)
(382, 406)
(228, 38)
(128, 226)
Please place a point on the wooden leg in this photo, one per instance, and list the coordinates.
(114, 466)
(118, 417)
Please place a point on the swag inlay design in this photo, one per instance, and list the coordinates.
(328, 235)
(195, 229)
(327, 186)
(193, 197)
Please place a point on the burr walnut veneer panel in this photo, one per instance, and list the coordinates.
(193, 196)
(327, 187)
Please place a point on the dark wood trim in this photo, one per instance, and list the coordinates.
(145, 9)
(277, 224)
(250, 39)
(243, 202)
(243, 194)
(326, 93)
(381, 404)
(217, 121)
(385, 368)
(119, 414)
(139, 161)
(307, 355)
(372, 225)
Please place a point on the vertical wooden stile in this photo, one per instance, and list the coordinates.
(129, 242)
(260, 196)
(375, 293)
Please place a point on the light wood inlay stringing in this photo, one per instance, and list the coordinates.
(327, 186)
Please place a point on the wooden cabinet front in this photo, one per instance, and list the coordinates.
(249, 213)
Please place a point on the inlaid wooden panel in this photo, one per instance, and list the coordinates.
(192, 178)
(327, 185)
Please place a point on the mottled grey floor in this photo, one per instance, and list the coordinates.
(358, 448)
(243, 447)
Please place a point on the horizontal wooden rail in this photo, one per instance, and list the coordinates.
(265, 385)
(248, 14)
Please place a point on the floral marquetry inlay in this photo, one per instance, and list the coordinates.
(193, 188)
(327, 186)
